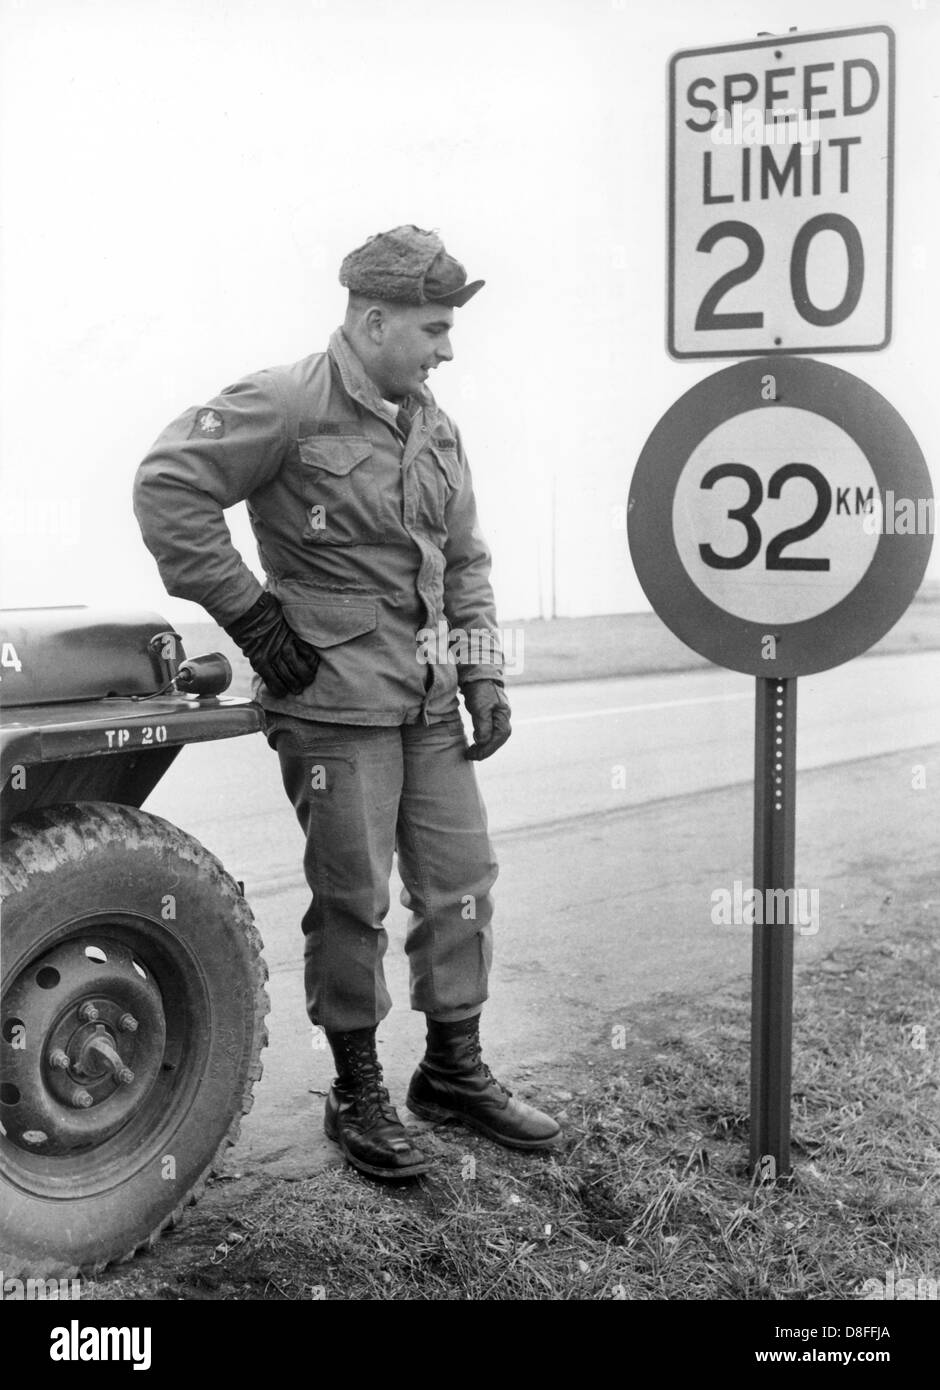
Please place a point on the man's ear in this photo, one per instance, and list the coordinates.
(375, 322)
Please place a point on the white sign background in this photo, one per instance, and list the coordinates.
(765, 442)
(702, 167)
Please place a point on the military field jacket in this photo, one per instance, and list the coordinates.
(369, 540)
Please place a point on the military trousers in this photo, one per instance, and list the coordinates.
(362, 794)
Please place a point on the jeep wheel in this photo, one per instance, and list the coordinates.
(131, 1026)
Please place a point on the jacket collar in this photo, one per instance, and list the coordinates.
(361, 386)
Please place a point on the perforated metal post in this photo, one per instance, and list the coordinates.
(772, 947)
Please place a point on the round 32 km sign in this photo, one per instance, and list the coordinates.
(780, 517)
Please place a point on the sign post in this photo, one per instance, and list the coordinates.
(763, 523)
(772, 941)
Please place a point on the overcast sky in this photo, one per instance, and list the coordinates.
(180, 180)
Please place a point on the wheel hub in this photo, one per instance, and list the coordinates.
(90, 1034)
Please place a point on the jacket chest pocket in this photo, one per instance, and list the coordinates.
(438, 477)
(342, 503)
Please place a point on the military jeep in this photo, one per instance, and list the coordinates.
(133, 987)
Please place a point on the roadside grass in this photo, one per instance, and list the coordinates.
(650, 1198)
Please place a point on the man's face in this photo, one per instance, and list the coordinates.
(415, 341)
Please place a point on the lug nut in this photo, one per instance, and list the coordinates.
(124, 1076)
(127, 1023)
(88, 1013)
(59, 1059)
(81, 1099)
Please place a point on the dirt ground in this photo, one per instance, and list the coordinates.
(649, 1198)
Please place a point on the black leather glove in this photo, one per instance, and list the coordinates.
(285, 662)
(489, 710)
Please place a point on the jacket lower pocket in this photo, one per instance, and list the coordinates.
(327, 622)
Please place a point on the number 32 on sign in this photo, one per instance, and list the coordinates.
(780, 207)
(756, 511)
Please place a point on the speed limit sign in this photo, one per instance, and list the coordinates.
(780, 517)
(780, 195)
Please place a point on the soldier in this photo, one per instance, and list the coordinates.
(361, 502)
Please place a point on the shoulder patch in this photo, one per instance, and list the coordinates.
(209, 424)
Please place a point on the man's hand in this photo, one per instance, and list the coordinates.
(285, 662)
(489, 710)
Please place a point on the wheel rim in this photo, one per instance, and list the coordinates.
(88, 1097)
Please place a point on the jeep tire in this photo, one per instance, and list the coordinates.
(131, 1027)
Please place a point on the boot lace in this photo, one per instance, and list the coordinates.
(474, 1055)
(371, 1098)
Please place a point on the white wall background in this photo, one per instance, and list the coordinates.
(180, 179)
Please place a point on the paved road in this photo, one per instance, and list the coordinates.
(618, 808)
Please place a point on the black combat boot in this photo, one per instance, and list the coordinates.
(454, 1083)
(359, 1116)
